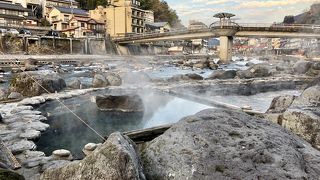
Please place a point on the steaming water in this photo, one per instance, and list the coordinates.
(259, 102)
(67, 132)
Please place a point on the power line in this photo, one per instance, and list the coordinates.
(60, 102)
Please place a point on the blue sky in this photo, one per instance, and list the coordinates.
(250, 11)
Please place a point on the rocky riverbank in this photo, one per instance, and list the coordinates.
(216, 143)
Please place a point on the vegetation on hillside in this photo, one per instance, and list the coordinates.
(311, 16)
(91, 4)
(162, 11)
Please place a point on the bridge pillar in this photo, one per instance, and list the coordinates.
(226, 43)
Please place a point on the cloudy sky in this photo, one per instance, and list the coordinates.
(250, 11)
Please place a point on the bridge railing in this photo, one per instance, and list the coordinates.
(217, 25)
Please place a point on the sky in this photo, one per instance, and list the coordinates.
(250, 11)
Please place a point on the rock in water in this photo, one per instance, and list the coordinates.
(281, 103)
(222, 74)
(24, 83)
(10, 175)
(99, 81)
(302, 67)
(116, 159)
(123, 103)
(224, 144)
(186, 77)
(74, 84)
(114, 79)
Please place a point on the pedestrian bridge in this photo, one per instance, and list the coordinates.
(226, 32)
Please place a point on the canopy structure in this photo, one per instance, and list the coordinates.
(223, 15)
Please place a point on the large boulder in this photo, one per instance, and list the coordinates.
(224, 144)
(303, 116)
(123, 103)
(108, 79)
(113, 79)
(261, 70)
(32, 83)
(74, 84)
(301, 67)
(99, 81)
(281, 103)
(222, 74)
(10, 175)
(116, 159)
(309, 97)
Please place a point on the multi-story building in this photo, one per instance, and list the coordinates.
(12, 15)
(59, 17)
(158, 27)
(122, 17)
(75, 22)
(50, 4)
(148, 16)
(193, 25)
(84, 27)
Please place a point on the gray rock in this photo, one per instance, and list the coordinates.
(90, 146)
(62, 154)
(186, 77)
(10, 175)
(37, 125)
(113, 79)
(24, 84)
(21, 145)
(30, 134)
(54, 164)
(74, 84)
(316, 66)
(281, 103)
(99, 81)
(260, 70)
(222, 74)
(305, 123)
(245, 74)
(15, 95)
(123, 103)
(224, 144)
(116, 159)
(302, 67)
(4, 93)
(309, 97)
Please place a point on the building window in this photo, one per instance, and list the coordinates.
(64, 26)
(66, 18)
(82, 24)
(84, 33)
(55, 26)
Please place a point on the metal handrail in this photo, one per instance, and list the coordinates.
(217, 25)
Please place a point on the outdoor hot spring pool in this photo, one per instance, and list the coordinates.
(68, 132)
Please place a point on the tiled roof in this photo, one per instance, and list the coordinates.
(72, 11)
(157, 24)
(10, 6)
